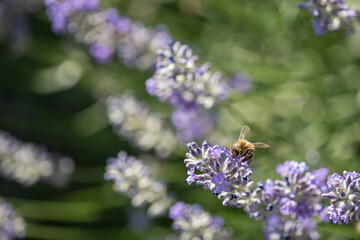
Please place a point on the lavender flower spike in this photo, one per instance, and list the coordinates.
(278, 228)
(288, 206)
(181, 81)
(106, 32)
(133, 178)
(133, 121)
(299, 192)
(28, 163)
(12, 225)
(330, 15)
(226, 177)
(344, 196)
(194, 223)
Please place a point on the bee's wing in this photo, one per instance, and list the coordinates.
(245, 132)
(260, 145)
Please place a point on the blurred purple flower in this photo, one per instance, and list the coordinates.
(177, 210)
(101, 53)
(28, 163)
(330, 15)
(132, 120)
(241, 82)
(291, 167)
(134, 179)
(218, 222)
(278, 227)
(179, 79)
(320, 177)
(194, 223)
(192, 123)
(12, 225)
(106, 32)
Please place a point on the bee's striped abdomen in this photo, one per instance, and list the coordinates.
(248, 155)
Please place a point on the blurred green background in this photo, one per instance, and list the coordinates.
(305, 103)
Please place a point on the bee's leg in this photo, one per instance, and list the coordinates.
(249, 158)
(244, 154)
(234, 152)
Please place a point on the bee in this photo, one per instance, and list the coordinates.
(245, 149)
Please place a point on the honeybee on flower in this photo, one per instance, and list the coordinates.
(245, 149)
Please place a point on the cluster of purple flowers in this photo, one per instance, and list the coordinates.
(180, 80)
(228, 178)
(134, 179)
(28, 163)
(106, 32)
(191, 88)
(330, 15)
(296, 201)
(279, 228)
(194, 223)
(288, 206)
(344, 196)
(12, 225)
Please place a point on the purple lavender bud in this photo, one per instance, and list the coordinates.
(348, 181)
(344, 197)
(351, 174)
(101, 53)
(269, 187)
(121, 24)
(329, 195)
(352, 186)
(341, 193)
(191, 176)
(287, 206)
